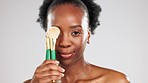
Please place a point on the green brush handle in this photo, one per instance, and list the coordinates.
(48, 54)
(53, 55)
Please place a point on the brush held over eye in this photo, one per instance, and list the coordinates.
(48, 50)
(53, 34)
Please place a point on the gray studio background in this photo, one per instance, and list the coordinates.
(120, 43)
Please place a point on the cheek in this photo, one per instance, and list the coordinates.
(80, 47)
(79, 42)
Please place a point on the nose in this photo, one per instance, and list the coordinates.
(64, 41)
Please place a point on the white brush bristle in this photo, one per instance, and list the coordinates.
(53, 32)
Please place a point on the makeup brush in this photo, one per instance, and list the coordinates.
(51, 36)
(53, 33)
(48, 50)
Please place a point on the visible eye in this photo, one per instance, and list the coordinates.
(76, 33)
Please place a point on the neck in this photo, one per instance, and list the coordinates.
(76, 70)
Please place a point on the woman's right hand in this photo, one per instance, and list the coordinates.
(48, 71)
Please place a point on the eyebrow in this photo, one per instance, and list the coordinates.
(76, 26)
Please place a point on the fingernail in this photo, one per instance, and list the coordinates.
(62, 75)
(63, 70)
(57, 62)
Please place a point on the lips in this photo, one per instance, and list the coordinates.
(66, 55)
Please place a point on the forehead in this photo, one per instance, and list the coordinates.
(71, 5)
(67, 12)
(65, 9)
(66, 16)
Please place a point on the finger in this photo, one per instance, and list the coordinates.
(55, 73)
(49, 73)
(45, 80)
(49, 79)
(50, 62)
(48, 67)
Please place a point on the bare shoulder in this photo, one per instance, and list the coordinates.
(109, 76)
(113, 76)
(27, 81)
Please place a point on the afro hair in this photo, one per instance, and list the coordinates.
(92, 8)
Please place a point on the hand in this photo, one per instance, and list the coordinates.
(48, 71)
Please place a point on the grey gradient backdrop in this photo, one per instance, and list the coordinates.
(120, 43)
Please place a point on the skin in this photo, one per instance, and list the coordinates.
(73, 38)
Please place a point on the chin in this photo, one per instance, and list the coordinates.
(65, 62)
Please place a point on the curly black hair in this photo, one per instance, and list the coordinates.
(92, 9)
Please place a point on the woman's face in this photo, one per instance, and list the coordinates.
(73, 23)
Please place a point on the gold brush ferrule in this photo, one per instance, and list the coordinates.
(47, 43)
(52, 43)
